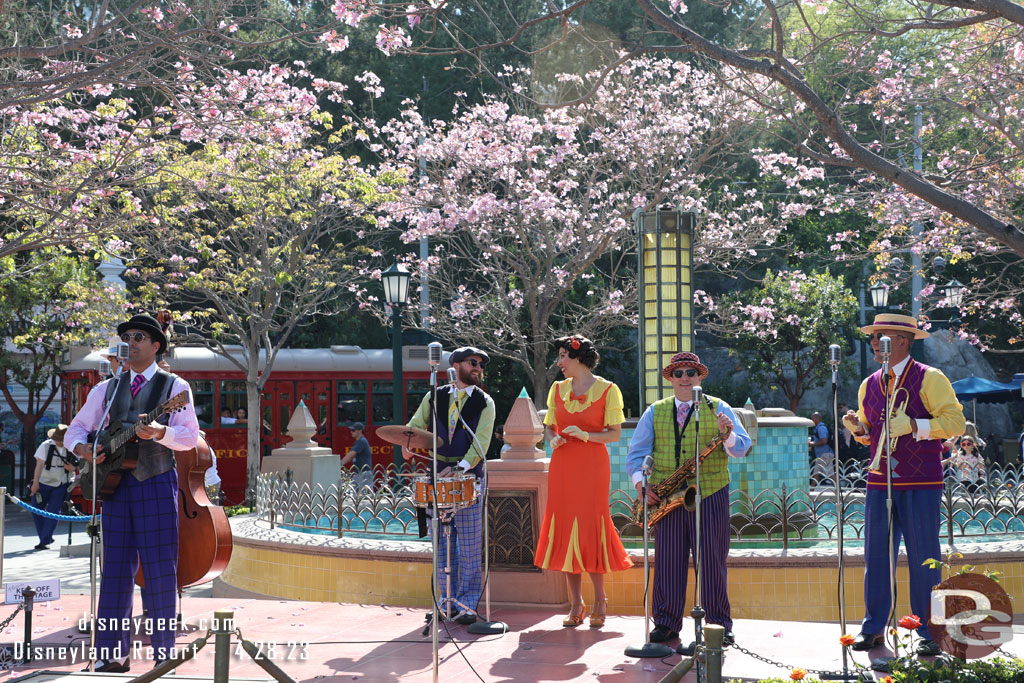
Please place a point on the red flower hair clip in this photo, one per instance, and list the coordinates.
(575, 344)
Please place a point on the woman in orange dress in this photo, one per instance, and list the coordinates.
(584, 414)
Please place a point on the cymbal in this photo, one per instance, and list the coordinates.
(409, 437)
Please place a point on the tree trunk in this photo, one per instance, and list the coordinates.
(28, 446)
(253, 428)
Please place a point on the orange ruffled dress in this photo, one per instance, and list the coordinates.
(577, 534)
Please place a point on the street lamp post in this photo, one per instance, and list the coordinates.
(396, 294)
(880, 302)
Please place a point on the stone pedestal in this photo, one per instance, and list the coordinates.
(308, 462)
(518, 485)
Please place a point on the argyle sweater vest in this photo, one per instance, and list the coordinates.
(714, 471)
(915, 464)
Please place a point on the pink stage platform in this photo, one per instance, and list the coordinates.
(315, 641)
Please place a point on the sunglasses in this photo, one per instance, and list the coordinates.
(689, 372)
(474, 362)
(966, 443)
(138, 337)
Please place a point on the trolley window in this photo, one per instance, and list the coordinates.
(202, 394)
(232, 403)
(352, 401)
(415, 390)
(382, 406)
(77, 393)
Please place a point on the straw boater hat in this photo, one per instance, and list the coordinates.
(894, 322)
(57, 433)
(685, 360)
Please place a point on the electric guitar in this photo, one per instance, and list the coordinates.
(114, 440)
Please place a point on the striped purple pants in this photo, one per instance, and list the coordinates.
(674, 542)
(140, 524)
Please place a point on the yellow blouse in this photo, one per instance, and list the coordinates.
(613, 404)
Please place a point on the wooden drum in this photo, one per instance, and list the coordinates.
(456, 491)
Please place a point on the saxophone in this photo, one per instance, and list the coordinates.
(670, 490)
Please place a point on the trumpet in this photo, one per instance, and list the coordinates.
(894, 411)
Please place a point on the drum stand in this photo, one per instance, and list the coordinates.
(648, 649)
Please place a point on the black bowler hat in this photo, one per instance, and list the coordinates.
(146, 323)
(462, 353)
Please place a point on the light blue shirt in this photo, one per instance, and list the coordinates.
(642, 443)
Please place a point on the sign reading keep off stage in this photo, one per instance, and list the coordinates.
(46, 589)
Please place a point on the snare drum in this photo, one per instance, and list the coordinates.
(456, 491)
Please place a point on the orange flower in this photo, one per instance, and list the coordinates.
(797, 674)
(846, 639)
(910, 622)
(887, 679)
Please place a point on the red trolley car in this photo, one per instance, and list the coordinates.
(340, 385)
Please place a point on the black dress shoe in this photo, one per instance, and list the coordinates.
(865, 641)
(928, 648)
(465, 618)
(111, 666)
(728, 638)
(42, 546)
(662, 633)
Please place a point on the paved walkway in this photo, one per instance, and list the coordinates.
(315, 641)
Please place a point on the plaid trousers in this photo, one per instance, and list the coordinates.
(140, 524)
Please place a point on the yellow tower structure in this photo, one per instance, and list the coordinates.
(666, 295)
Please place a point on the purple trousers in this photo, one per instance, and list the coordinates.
(140, 524)
(674, 543)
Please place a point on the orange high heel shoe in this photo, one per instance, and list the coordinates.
(572, 621)
(597, 618)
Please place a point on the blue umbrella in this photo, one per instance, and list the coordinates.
(986, 390)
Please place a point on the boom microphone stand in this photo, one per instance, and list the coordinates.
(434, 358)
(648, 649)
(94, 532)
(485, 627)
(698, 613)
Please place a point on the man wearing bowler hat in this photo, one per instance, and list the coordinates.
(666, 431)
(140, 520)
(462, 405)
(925, 411)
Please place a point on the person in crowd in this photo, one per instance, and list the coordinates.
(362, 457)
(577, 534)
(666, 431)
(240, 416)
(966, 465)
(824, 455)
(924, 411)
(464, 410)
(140, 519)
(55, 468)
(227, 417)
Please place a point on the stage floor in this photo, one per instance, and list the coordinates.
(348, 642)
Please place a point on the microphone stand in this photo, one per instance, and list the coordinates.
(485, 627)
(845, 674)
(698, 613)
(435, 586)
(885, 663)
(648, 649)
(94, 532)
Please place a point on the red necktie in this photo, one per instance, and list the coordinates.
(137, 385)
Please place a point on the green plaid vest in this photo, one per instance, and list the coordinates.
(714, 471)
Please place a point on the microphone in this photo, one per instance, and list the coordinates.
(648, 464)
(698, 395)
(834, 356)
(885, 347)
(434, 354)
(104, 368)
(122, 356)
(452, 376)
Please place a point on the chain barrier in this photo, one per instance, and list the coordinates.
(4, 624)
(833, 672)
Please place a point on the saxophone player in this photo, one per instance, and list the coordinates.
(923, 411)
(666, 432)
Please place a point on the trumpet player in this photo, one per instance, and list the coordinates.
(666, 432)
(923, 410)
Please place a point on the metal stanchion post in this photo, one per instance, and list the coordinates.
(225, 627)
(27, 594)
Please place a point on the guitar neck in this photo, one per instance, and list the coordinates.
(129, 434)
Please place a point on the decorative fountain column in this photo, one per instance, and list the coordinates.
(518, 491)
(308, 462)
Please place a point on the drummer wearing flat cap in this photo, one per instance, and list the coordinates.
(462, 408)
(140, 519)
(925, 411)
